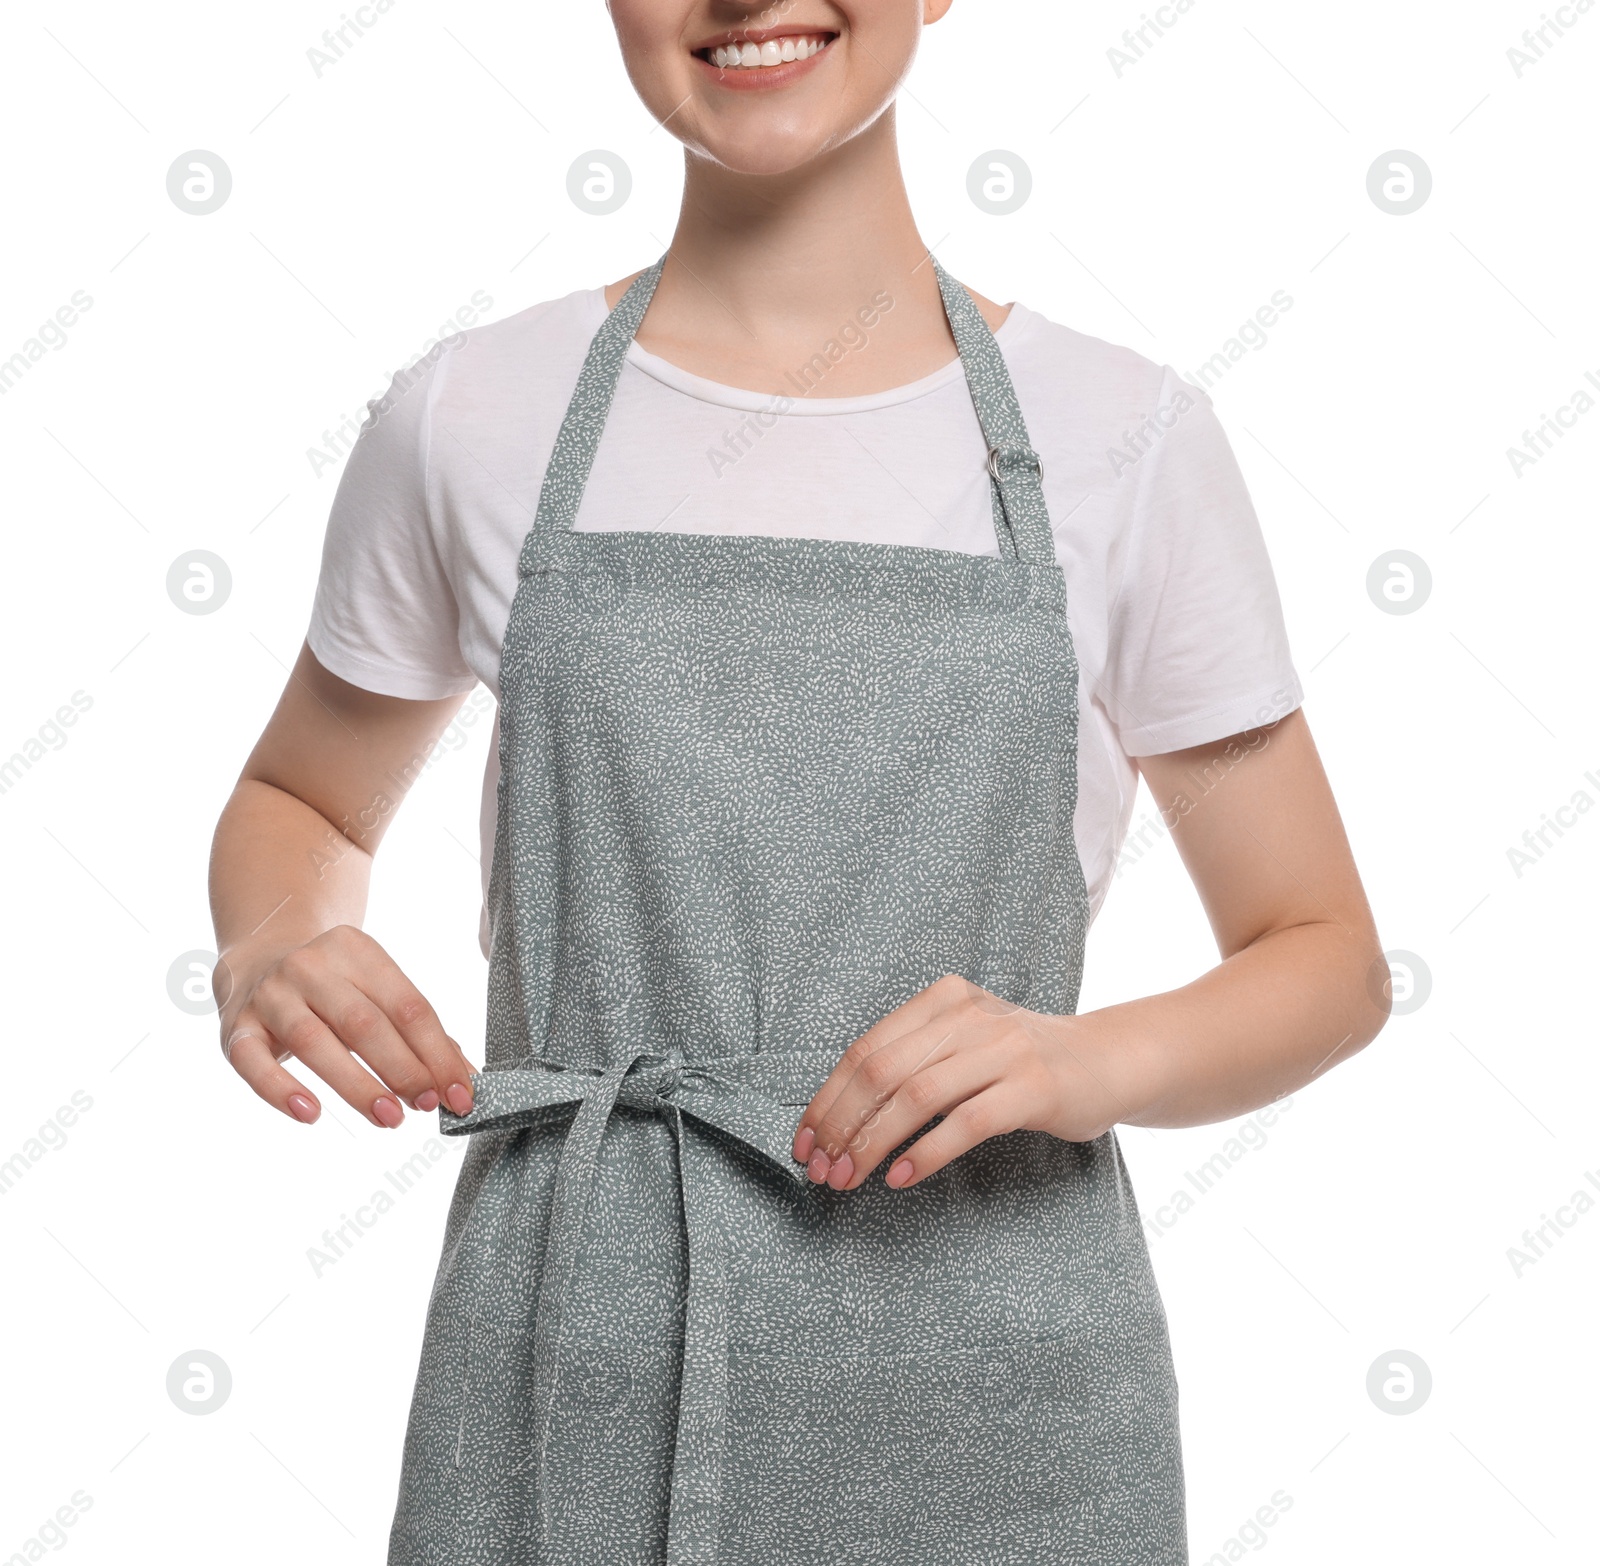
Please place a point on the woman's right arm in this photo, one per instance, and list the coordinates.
(296, 975)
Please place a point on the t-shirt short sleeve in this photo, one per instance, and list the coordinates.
(1198, 649)
(385, 615)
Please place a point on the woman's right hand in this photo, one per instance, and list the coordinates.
(337, 997)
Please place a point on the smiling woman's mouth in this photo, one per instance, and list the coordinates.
(767, 54)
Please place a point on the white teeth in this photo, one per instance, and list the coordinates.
(773, 52)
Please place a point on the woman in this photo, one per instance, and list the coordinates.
(798, 826)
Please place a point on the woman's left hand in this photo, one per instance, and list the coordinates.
(955, 1050)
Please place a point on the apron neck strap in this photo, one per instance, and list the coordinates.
(1021, 519)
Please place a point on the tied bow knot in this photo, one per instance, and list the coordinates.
(755, 1099)
(652, 1080)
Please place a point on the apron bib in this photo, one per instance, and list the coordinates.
(755, 793)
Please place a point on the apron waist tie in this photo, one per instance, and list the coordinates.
(739, 1096)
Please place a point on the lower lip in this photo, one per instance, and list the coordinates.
(760, 77)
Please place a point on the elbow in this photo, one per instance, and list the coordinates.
(1372, 988)
(1355, 990)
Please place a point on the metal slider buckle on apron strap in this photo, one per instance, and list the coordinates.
(750, 1098)
(993, 463)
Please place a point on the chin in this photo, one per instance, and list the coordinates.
(757, 155)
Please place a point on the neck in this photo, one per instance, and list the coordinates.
(767, 269)
(787, 252)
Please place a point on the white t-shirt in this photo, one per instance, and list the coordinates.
(1171, 599)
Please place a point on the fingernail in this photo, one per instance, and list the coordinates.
(302, 1108)
(817, 1168)
(899, 1172)
(839, 1175)
(803, 1143)
(427, 1101)
(459, 1099)
(387, 1113)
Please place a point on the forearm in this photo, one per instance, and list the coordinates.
(280, 875)
(1259, 1025)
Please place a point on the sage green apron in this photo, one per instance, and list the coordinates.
(755, 793)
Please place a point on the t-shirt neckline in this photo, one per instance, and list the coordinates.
(742, 398)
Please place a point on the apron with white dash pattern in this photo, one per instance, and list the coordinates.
(756, 792)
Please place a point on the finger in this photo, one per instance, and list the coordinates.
(333, 986)
(876, 1079)
(942, 1080)
(992, 1112)
(419, 1026)
(910, 1015)
(251, 1055)
(295, 1027)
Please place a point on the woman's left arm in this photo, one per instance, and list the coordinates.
(1302, 985)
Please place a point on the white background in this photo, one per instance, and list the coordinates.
(1168, 204)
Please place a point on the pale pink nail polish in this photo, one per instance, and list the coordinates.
(840, 1174)
(900, 1173)
(459, 1099)
(302, 1108)
(803, 1144)
(427, 1101)
(817, 1168)
(387, 1113)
